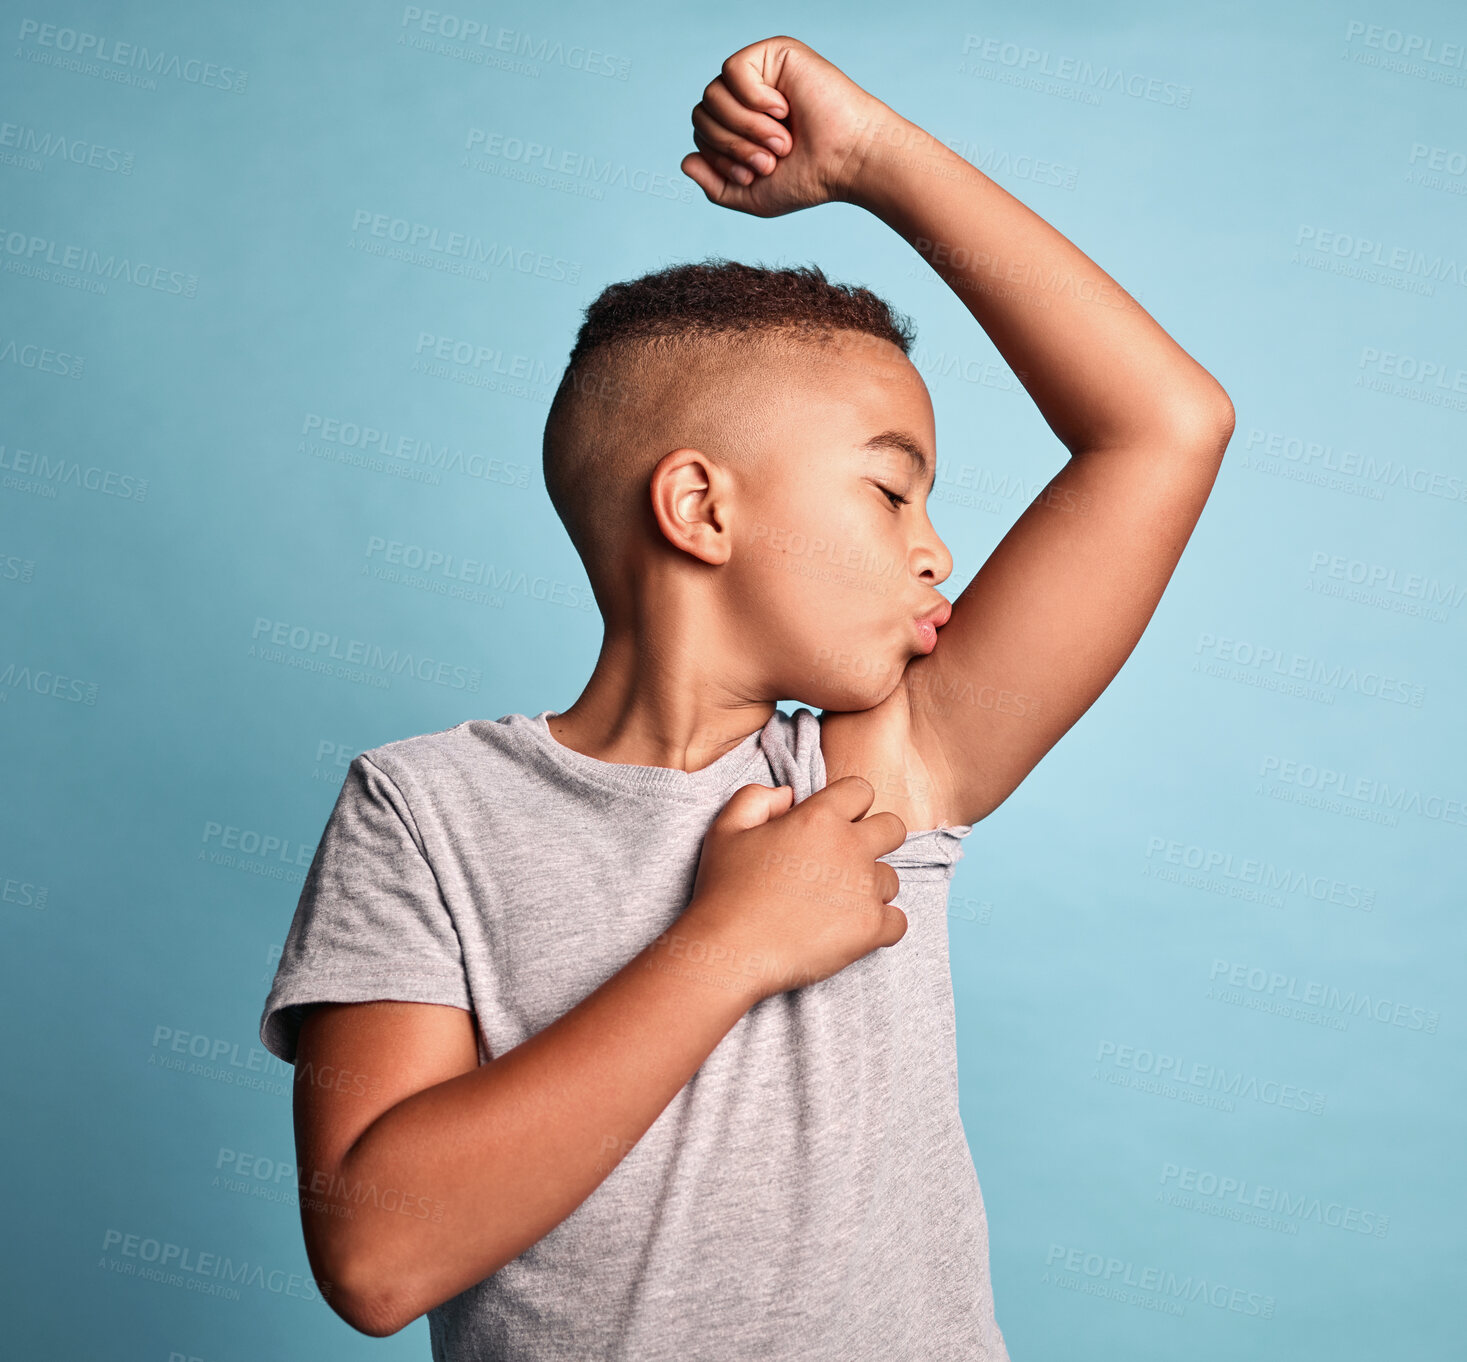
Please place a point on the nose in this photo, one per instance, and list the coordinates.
(930, 559)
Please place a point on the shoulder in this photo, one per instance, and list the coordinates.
(887, 747)
(474, 750)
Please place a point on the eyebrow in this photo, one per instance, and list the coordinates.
(906, 444)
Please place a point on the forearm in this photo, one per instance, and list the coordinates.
(511, 1149)
(1101, 370)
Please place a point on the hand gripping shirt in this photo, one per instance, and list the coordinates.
(807, 1196)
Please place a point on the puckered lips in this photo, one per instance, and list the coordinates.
(928, 624)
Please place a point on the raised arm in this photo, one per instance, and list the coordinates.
(1060, 604)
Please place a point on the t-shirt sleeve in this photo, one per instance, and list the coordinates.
(371, 922)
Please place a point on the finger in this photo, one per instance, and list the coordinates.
(697, 168)
(850, 797)
(888, 882)
(895, 926)
(752, 805)
(742, 75)
(724, 140)
(757, 128)
(728, 168)
(713, 147)
(886, 830)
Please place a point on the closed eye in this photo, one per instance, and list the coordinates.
(896, 498)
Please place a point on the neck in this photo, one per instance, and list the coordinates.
(665, 692)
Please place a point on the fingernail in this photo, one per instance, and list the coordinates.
(764, 161)
(774, 144)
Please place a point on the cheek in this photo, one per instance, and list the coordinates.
(826, 593)
(830, 597)
(837, 555)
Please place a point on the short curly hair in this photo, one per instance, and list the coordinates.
(675, 357)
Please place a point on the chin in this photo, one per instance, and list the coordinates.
(847, 672)
(842, 694)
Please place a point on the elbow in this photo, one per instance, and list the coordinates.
(1225, 420)
(368, 1310)
(1212, 422)
(374, 1327)
(360, 1298)
(1202, 425)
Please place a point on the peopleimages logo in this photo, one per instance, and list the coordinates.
(60, 261)
(1274, 666)
(43, 359)
(479, 41)
(211, 1274)
(541, 162)
(1276, 986)
(1034, 61)
(1160, 1072)
(1256, 871)
(21, 676)
(428, 458)
(429, 240)
(1414, 267)
(30, 145)
(1358, 795)
(445, 573)
(1313, 460)
(1409, 47)
(1232, 1198)
(1114, 1274)
(94, 54)
(51, 472)
(320, 650)
(1386, 577)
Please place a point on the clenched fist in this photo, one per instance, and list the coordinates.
(780, 129)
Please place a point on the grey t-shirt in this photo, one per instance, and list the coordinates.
(809, 1193)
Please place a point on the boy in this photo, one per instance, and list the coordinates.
(596, 1061)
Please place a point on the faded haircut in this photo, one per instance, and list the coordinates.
(677, 358)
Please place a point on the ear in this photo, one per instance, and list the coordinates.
(692, 500)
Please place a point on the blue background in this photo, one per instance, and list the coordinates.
(170, 499)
